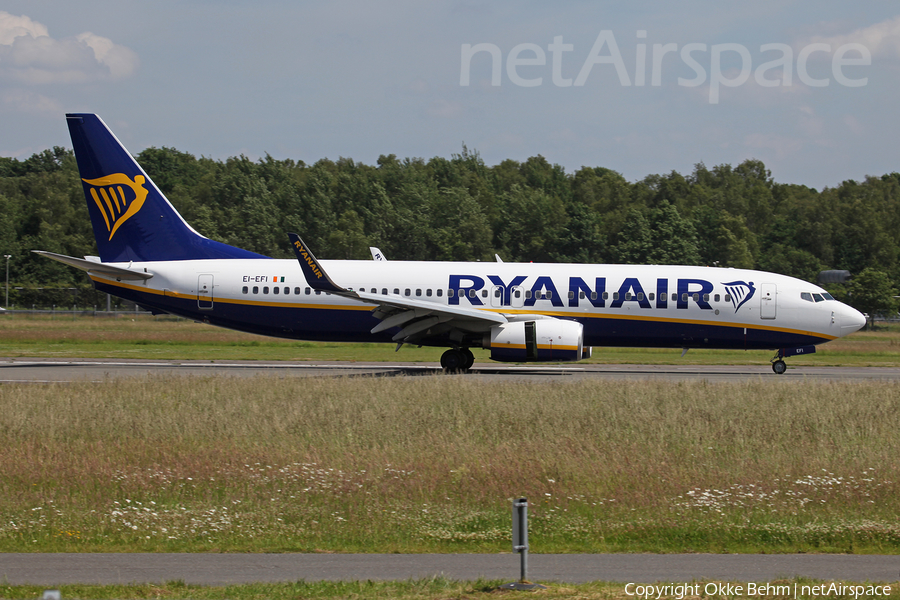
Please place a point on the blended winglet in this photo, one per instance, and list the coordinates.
(315, 275)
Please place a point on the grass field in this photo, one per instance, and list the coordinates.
(146, 337)
(430, 464)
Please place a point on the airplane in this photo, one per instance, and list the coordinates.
(519, 312)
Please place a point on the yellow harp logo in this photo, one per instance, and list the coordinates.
(118, 198)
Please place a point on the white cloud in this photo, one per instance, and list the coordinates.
(882, 39)
(12, 27)
(120, 60)
(29, 55)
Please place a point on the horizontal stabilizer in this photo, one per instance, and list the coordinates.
(97, 268)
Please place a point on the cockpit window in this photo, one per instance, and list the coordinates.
(806, 296)
(818, 298)
(827, 296)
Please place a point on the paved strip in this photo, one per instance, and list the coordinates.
(224, 569)
(47, 370)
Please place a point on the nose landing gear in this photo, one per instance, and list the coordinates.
(778, 365)
(778, 360)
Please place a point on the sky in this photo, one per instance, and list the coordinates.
(640, 87)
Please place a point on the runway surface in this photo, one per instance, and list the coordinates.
(224, 569)
(47, 370)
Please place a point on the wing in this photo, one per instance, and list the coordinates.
(418, 319)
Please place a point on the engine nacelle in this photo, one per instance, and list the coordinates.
(545, 340)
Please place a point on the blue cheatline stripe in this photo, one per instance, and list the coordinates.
(323, 322)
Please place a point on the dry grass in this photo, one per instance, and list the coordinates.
(430, 464)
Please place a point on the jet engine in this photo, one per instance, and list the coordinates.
(545, 340)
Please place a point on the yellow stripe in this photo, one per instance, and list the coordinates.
(540, 346)
(569, 315)
(174, 294)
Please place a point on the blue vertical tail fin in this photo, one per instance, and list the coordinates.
(131, 218)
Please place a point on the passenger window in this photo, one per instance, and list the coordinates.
(696, 297)
(384, 291)
(255, 289)
(406, 292)
(428, 292)
(640, 296)
(318, 292)
(397, 291)
(296, 291)
(528, 293)
(628, 295)
(806, 296)
(497, 293)
(593, 295)
(275, 290)
(716, 298)
(675, 297)
(572, 294)
(484, 293)
(471, 293)
(245, 290)
(606, 295)
(727, 297)
(684, 297)
(265, 289)
(650, 296)
(548, 295)
(451, 292)
(615, 295)
(517, 293)
(418, 292)
(706, 297)
(440, 292)
(581, 295)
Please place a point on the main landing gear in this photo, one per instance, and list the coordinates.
(457, 359)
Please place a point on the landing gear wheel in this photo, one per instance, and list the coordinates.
(470, 359)
(453, 360)
(779, 367)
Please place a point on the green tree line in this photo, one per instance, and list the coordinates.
(462, 209)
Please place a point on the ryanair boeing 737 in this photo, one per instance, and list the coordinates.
(518, 311)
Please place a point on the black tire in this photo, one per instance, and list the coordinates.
(452, 360)
(779, 367)
(469, 359)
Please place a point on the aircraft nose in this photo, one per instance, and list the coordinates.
(851, 320)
